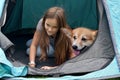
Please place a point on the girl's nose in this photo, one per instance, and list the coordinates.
(49, 29)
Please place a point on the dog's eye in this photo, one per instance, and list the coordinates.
(84, 39)
(74, 37)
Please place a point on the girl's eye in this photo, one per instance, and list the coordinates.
(54, 26)
(74, 37)
(84, 39)
(48, 25)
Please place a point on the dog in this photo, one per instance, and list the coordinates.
(81, 38)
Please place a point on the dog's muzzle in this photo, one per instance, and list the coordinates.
(76, 51)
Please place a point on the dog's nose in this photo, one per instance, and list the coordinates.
(74, 47)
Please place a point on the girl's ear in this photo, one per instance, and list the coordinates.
(67, 32)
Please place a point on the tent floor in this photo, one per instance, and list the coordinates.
(20, 51)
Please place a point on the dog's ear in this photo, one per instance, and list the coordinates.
(94, 33)
(67, 32)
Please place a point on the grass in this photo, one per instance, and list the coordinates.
(114, 79)
(43, 77)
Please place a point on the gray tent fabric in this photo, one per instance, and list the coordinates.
(6, 44)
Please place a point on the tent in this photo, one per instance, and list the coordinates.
(100, 61)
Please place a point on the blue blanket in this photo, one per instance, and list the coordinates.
(8, 70)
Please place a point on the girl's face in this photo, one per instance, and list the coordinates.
(51, 26)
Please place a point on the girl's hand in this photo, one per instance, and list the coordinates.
(47, 67)
(32, 65)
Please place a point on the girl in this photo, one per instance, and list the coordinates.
(50, 40)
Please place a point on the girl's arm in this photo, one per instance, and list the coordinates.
(33, 48)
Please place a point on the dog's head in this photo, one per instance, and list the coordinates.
(81, 38)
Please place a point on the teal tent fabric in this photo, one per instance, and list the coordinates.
(8, 70)
(14, 22)
(113, 10)
(26, 13)
(78, 13)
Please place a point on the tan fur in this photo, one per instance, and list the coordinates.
(81, 37)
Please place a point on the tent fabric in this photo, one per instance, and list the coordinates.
(1, 7)
(111, 7)
(98, 55)
(75, 15)
(100, 52)
(7, 69)
(104, 48)
(26, 14)
(5, 43)
(14, 21)
(3, 12)
(110, 71)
